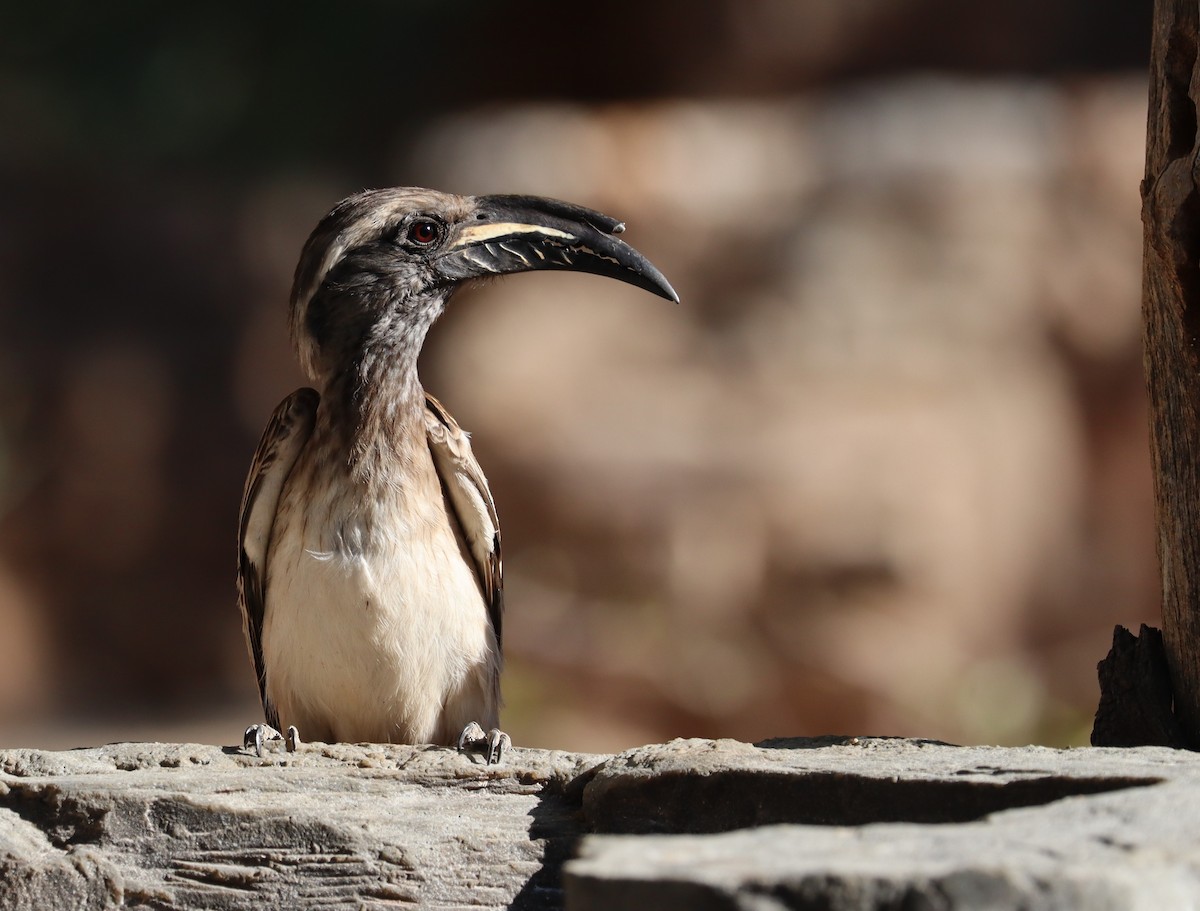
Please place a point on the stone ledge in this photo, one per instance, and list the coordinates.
(834, 823)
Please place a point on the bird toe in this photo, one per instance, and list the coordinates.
(258, 735)
(470, 738)
(498, 743)
(492, 745)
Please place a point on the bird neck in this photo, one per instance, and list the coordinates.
(379, 405)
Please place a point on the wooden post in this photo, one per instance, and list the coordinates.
(1171, 311)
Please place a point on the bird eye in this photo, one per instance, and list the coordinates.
(424, 232)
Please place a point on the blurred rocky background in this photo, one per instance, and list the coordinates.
(883, 471)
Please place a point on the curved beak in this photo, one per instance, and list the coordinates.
(524, 233)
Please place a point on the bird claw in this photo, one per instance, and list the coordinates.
(259, 735)
(493, 745)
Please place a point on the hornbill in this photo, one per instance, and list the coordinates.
(369, 575)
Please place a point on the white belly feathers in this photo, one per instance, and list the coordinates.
(361, 641)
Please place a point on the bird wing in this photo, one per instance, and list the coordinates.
(288, 430)
(470, 500)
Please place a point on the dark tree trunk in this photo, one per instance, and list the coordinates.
(1135, 694)
(1171, 311)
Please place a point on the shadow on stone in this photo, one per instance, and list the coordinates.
(830, 781)
(686, 804)
(65, 819)
(557, 828)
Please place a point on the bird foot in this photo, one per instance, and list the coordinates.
(259, 735)
(493, 745)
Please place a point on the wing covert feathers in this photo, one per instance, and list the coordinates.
(468, 495)
(287, 431)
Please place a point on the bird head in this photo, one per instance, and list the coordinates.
(382, 264)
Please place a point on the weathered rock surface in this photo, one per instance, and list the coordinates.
(837, 823)
(1030, 828)
(189, 826)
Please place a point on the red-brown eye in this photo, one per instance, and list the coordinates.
(423, 232)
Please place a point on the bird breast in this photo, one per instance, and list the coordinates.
(376, 627)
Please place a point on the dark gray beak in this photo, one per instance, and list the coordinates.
(524, 233)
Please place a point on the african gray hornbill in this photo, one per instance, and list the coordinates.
(370, 577)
